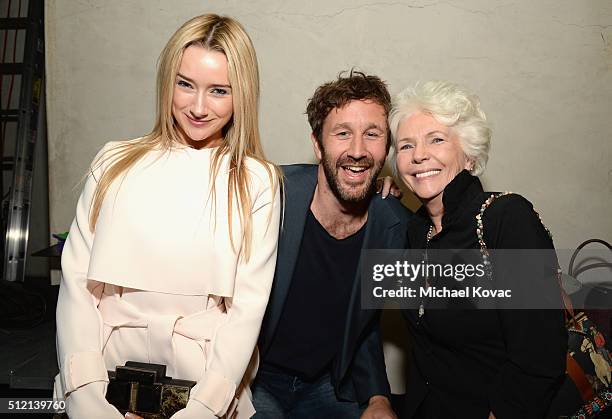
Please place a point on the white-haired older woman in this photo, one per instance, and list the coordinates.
(470, 363)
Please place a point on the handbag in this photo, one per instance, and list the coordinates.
(145, 389)
(586, 390)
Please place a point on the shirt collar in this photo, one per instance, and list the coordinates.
(461, 190)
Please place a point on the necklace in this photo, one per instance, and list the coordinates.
(429, 234)
(428, 239)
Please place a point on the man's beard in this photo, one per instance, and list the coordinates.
(350, 194)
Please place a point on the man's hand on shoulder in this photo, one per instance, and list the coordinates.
(386, 186)
(379, 407)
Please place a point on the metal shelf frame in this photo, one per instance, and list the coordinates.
(19, 167)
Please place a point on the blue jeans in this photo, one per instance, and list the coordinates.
(282, 396)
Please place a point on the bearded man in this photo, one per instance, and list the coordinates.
(321, 353)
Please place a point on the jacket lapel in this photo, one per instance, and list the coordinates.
(298, 192)
(383, 231)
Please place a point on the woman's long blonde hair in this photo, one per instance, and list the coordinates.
(215, 33)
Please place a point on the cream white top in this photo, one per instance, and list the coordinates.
(163, 212)
(160, 232)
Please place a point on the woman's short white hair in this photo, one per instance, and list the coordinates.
(451, 105)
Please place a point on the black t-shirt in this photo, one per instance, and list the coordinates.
(312, 324)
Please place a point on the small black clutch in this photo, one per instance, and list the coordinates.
(145, 390)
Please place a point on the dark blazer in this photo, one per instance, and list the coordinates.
(359, 369)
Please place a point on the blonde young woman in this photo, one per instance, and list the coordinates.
(171, 255)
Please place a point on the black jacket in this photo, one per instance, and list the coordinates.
(466, 363)
(359, 369)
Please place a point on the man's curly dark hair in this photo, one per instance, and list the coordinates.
(338, 93)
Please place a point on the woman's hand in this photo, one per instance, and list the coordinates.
(89, 402)
(386, 185)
